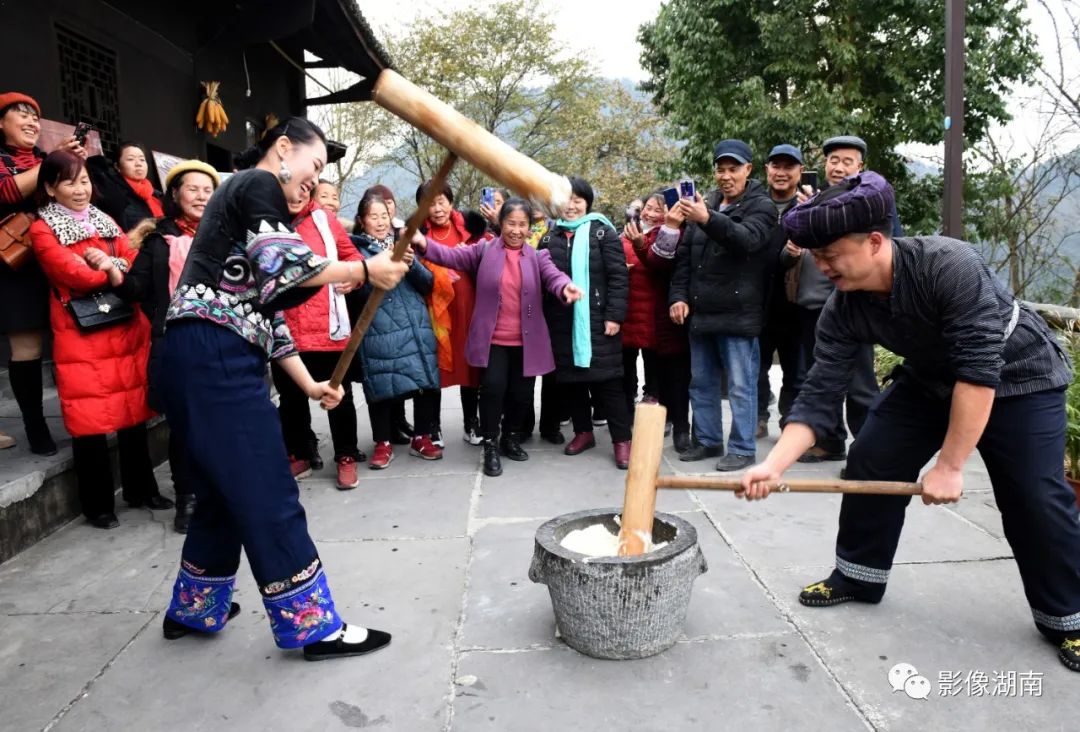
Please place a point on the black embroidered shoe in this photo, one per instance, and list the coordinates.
(1069, 653)
(173, 630)
(832, 591)
(338, 648)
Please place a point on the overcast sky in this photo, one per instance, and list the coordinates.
(612, 25)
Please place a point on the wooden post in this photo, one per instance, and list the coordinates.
(372, 304)
(639, 503)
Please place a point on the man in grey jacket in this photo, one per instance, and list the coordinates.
(844, 157)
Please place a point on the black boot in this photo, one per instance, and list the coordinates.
(185, 507)
(492, 464)
(511, 448)
(26, 383)
(315, 460)
(681, 441)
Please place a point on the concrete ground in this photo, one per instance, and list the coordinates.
(438, 554)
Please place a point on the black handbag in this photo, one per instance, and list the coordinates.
(99, 309)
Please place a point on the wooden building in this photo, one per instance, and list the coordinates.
(133, 68)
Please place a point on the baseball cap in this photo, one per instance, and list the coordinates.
(790, 150)
(735, 149)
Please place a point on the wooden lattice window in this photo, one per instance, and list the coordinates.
(88, 86)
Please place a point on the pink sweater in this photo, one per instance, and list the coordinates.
(508, 322)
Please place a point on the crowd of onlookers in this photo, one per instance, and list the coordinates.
(703, 288)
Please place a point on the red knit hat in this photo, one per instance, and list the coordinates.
(6, 100)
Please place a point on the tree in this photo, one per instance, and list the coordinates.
(803, 70)
(1058, 77)
(364, 127)
(1016, 193)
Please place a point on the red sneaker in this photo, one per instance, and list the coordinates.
(383, 456)
(300, 468)
(423, 447)
(347, 478)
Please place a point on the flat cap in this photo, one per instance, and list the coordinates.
(854, 205)
(844, 141)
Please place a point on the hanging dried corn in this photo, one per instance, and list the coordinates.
(211, 116)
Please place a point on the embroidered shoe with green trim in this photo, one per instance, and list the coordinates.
(1069, 653)
(831, 592)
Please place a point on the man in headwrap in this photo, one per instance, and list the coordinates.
(981, 370)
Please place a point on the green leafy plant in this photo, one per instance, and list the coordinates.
(1072, 412)
(884, 362)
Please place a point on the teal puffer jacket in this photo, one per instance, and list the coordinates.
(398, 352)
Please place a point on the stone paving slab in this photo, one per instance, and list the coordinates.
(954, 618)
(801, 529)
(239, 679)
(387, 507)
(438, 554)
(47, 660)
(765, 683)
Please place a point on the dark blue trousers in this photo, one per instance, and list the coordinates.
(1022, 447)
(217, 400)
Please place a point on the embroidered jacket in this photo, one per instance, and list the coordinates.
(246, 264)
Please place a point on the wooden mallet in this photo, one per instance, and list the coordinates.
(465, 139)
(643, 478)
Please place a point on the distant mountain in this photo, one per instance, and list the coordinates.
(397, 179)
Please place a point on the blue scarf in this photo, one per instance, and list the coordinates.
(579, 273)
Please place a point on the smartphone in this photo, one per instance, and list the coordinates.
(81, 131)
(671, 196)
(633, 214)
(487, 197)
(686, 188)
(809, 178)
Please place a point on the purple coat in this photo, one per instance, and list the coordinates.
(486, 260)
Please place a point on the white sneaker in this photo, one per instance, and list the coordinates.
(437, 440)
(472, 438)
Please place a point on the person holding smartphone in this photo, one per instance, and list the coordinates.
(718, 288)
(24, 292)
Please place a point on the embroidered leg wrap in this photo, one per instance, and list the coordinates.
(201, 602)
(301, 610)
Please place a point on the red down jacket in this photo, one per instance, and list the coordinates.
(646, 286)
(101, 376)
(309, 323)
(669, 339)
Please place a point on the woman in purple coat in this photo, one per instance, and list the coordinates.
(508, 336)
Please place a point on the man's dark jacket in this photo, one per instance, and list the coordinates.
(721, 265)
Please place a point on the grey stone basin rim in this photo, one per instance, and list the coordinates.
(685, 536)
